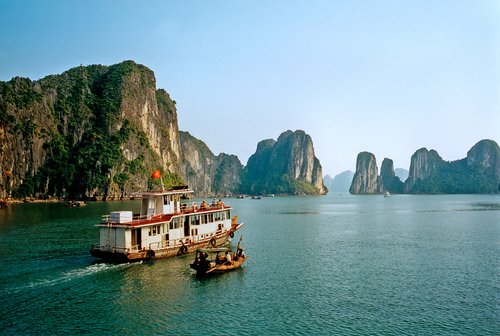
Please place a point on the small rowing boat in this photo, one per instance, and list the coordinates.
(217, 260)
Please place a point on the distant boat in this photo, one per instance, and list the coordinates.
(256, 197)
(387, 194)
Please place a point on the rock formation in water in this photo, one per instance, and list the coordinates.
(206, 173)
(285, 166)
(366, 175)
(484, 157)
(90, 131)
(424, 165)
(479, 172)
(388, 180)
(340, 183)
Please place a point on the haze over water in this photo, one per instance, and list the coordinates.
(339, 264)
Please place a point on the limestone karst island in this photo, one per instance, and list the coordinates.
(96, 132)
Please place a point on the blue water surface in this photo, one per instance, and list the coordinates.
(332, 265)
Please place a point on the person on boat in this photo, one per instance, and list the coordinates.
(203, 205)
(204, 263)
(220, 204)
(219, 259)
(228, 258)
(239, 248)
(213, 203)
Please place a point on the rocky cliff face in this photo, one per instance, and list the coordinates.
(90, 131)
(423, 165)
(227, 178)
(485, 157)
(206, 173)
(285, 166)
(388, 179)
(479, 172)
(366, 176)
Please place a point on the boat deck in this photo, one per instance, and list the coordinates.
(138, 220)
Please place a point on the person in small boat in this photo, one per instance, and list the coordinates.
(239, 249)
(204, 262)
(228, 258)
(219, 259)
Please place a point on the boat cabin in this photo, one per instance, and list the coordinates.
(168, 220)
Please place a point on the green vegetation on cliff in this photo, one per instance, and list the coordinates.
(77, 118)
(457, 177)
(286, 166)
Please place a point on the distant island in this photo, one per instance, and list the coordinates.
(340, 183)
(479, 172)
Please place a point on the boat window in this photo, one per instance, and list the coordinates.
(195, 220)
(210, 218)
(166, 199)
(174, 223)
(153, 230)
(228, 215)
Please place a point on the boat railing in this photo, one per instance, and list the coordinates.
(108, 248)
(106, 219)
(163, 244)
(195, 207)
(183, 241)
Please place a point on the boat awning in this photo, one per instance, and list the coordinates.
(214, 250)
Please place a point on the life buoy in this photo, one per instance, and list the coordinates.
(150, 254)
(231, 234)
(213, 242)
(183, 249)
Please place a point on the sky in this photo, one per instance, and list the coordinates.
(384, 76)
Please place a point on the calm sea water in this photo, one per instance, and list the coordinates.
(333, 265)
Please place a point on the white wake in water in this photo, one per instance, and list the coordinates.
(65, 277)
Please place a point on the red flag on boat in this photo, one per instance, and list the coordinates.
(156, 174)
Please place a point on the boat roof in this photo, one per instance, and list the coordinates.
(214, 249)
(173, 191)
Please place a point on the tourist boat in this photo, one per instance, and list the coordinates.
(168, 225)
(213, 260)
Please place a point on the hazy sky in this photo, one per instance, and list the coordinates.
(387, 77)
